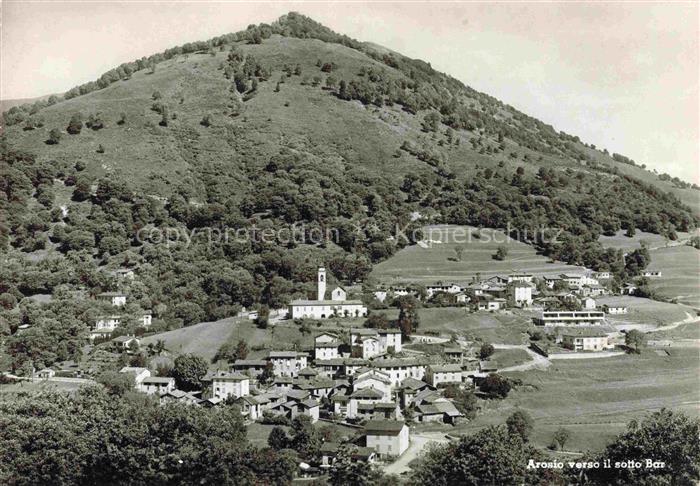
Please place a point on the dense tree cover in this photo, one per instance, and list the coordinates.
(91, 438)
(188, 371)
(491, 456)
(521, 423)
(664, 437)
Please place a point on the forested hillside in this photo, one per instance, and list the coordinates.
(280, 125)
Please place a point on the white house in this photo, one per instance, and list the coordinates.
(522, 293)
(375, 379)
(651, 274)
(586, 339)
(139, 374)
(389, 438)
(326, 346)
(615, 309)
(520, 277)
(324, 309)
(224, 385)
(287, 363)
(446, 288)
(588, 303)
(398, 369)
(375, 342)
(117, 299)
(157, 385)
(444, 374)
(603, 275)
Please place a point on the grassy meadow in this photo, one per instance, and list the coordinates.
(596, 398)
(680, 277)
(439, 261)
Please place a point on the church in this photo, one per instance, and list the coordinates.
(321, 308)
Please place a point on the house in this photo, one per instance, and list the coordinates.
(550, 282)
(326, 346)
(329, 451)
(139, 374)
(380, 295)
(114, 298)
(588, 303)
(603, 275)
(615, 309)
(628, 289)
(375, 342)
(157, 385)
(225, 384)
(45, 374)
(410, 387)
(572, 280)
(124, 274)
(251, 367)
(287, 363)
(488, 303)
(179, 396)
(309, 407)
(126, 342)
(108, 323)
(454, 354)
(585, 339)
(398, 369)
(570, 318)
(651, 274)
(520, 277)
(444, 374)
(322, 308)
(250, 406)
(441, 410)
(388, 438)
(593, 290)
(452, 288)
(377, 380)
(363, 397)
(522, 293)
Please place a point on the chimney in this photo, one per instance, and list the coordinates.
(321, 283)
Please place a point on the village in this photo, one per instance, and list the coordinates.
(377, 382)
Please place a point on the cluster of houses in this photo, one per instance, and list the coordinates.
(362, 379)
(106, 324)
(501, 291)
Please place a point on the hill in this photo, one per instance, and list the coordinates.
(178, 165)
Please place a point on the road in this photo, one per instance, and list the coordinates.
(418, 443)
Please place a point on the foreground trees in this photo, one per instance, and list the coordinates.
(92, 438)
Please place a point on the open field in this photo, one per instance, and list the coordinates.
(650, 313)
(652, 241)
(596, 398)
(680, 278)
(510, 357)
(39, 386)
(439, 261)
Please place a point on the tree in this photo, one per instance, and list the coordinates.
(267, 374)
(206, 120)
(116, 383)
(486, 350)
(520, 423)
(188, 371)
(631, 230)
(635, 340)
(408, 320)
(459, 251)
(495, 386)
(304, 438)
(278, 438)
(561, 437)
(431, 121)
(263, 317)
(54, 137)
(501, 253)
(75, 124)
(664, 436)
(100, 149)
(463, 462)
(347, 471)
(377, 321)
(464, 400)
(164, 117)
(122, 119)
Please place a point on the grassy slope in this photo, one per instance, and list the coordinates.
(680, 277)
(157, 158)
(418, 264)
(596, 398)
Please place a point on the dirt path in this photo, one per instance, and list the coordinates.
(537, 361)
(418, 443)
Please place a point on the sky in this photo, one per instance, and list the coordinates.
(623, 76)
